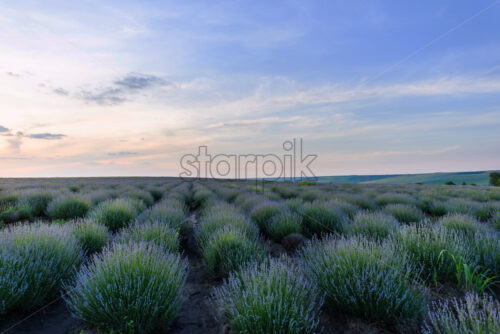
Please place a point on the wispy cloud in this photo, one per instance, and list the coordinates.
(122, 154)
(13, 75)
(104, 97)
(3, 129)
(46, 136)
(122, 90)
(61, 91)
(135, 81)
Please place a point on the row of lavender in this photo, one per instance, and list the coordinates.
(258, 294)
(117, 269)
(396, 257)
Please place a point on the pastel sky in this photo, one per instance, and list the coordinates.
(111, 88)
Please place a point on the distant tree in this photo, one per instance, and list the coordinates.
(473, 184)
(495, 179)
(449, 183)
(463, 183)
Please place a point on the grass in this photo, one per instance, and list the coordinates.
(129, 287)
(471, 278)
(35, 260)
(272, 297)
(365, 279)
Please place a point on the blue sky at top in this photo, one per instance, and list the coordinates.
(130, 86)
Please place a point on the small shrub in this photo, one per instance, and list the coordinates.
(307, 183)
(432, 207)
(347, 207)
(487, 210)
(463, 206)
(404, 213)
(91, 236)
(362, 202)
(218, 217)
(129, 283)
(273, 297)
(16, 214)
(424, 246)
(294, 204)
(365, 279)
(8, 200)
(156, 193)
(201, 195)
(229, 249)
(250, 202)
(373, 225)
(394, 198)
(37, 202)
(153, 231)
(311, 195)
(465, 224)
(114, 214)
(263, 212)
(140, 195)
(284, 224)
(34, 261)
(293, 241)
(68, 207)
(166, 214)
(486, 247)
(321, 217)
(495, 221)
(472, 314)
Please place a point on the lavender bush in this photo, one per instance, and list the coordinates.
(134, 285)
(35, 260)
(365, 279)
(373, 225)
(114, 214)
(272, 297)
(471, 314)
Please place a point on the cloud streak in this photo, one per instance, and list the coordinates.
(122, 154)
(46, 136)
(120, 90)
(137, 81)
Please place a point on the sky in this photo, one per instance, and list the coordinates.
(127, 88)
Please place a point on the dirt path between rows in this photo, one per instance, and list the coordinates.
(196, 316)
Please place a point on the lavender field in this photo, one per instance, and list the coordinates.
(147, 255)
